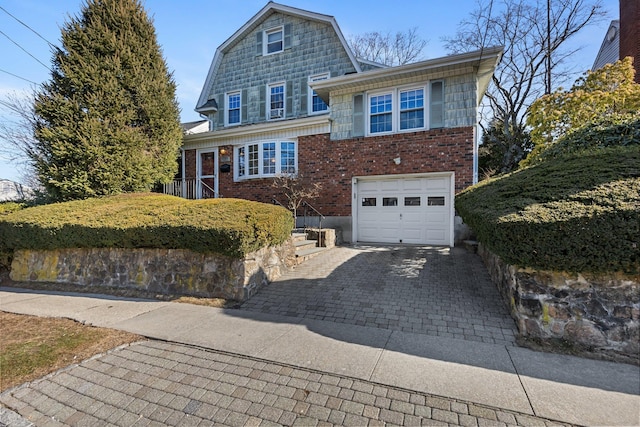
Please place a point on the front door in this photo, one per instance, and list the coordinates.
(206, 186)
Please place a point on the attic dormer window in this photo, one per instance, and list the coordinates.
(275, 40)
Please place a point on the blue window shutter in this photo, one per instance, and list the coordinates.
(243, 106)
(259, 43)
(262, 104)
(287, 36)
(358, 115)
(304, 91)
(221, 102)
(436, 105)
(289, 99)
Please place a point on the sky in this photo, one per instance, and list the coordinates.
(189, 31)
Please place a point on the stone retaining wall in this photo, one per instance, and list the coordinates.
(164, 271)
(597, 312)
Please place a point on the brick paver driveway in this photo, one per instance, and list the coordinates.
(428, 290)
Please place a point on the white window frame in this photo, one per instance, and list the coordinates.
(283, 110)
(228, 108)
(395, 108)
(311, 93)
(265, 38)
(260, 146)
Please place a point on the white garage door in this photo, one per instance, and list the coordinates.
(414, 210)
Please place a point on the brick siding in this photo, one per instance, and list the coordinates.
(630, 32)
(335, 163)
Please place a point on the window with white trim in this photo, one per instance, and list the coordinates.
(381, 113)
(405, 109)
(412, 109)
(316, 104)
(266, 159)
(234, 102)
(275, 101)
(274, 40)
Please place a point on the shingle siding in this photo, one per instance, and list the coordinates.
(460, 106)
(315, 48)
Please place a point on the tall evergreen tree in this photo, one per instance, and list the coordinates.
(107, 122)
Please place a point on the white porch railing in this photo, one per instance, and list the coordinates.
(189, 189)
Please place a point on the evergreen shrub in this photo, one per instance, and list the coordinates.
(579, 212)
(231, 227)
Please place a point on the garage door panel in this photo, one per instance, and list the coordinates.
(437, 236)
(407, 210)
(436, 218)
(391, 185)
(437, 184)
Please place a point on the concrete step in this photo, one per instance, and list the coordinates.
(305, 254)
(298, 236)
(305, 244)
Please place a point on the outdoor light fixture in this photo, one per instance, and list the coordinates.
(223, 151)
(397, 160)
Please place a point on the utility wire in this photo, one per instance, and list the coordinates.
(31, 29)
(25, 51)
(17, 76)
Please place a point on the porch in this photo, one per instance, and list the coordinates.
(191, 188)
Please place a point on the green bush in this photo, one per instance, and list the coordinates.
(579, 212)
(9, 207)
(230, 227)
(611, 131)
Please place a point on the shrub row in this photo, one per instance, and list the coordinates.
(609, 132)
(230, 227)
(579, 212)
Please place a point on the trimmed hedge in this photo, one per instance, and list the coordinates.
(230, 227)
(9, 207)
(608, 132)
(579, 212)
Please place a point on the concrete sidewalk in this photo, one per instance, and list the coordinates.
(555, 387)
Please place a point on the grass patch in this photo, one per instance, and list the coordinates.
(31, 347)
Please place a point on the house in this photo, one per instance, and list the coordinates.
(622, 38)
(390, 145)
(13, 191)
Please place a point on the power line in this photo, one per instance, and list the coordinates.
(17, 76)
(25, 51)
(32, 30)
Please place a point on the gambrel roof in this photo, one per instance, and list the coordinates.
(251, 25)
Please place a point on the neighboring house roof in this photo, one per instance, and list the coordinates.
(10, 190)
(481, 61)
(263, 14)
(195, 127)
(610, 49)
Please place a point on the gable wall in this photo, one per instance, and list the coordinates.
(315, 48)
(460, 105)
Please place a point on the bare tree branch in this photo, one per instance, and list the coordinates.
(519, 26)
(388, 49)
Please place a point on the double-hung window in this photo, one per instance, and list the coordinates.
(275, 40)
(406, 109)
(275, 101)
(234, 101)
(381, 113)
(316, 104)
(412, 109)
(266, 159)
